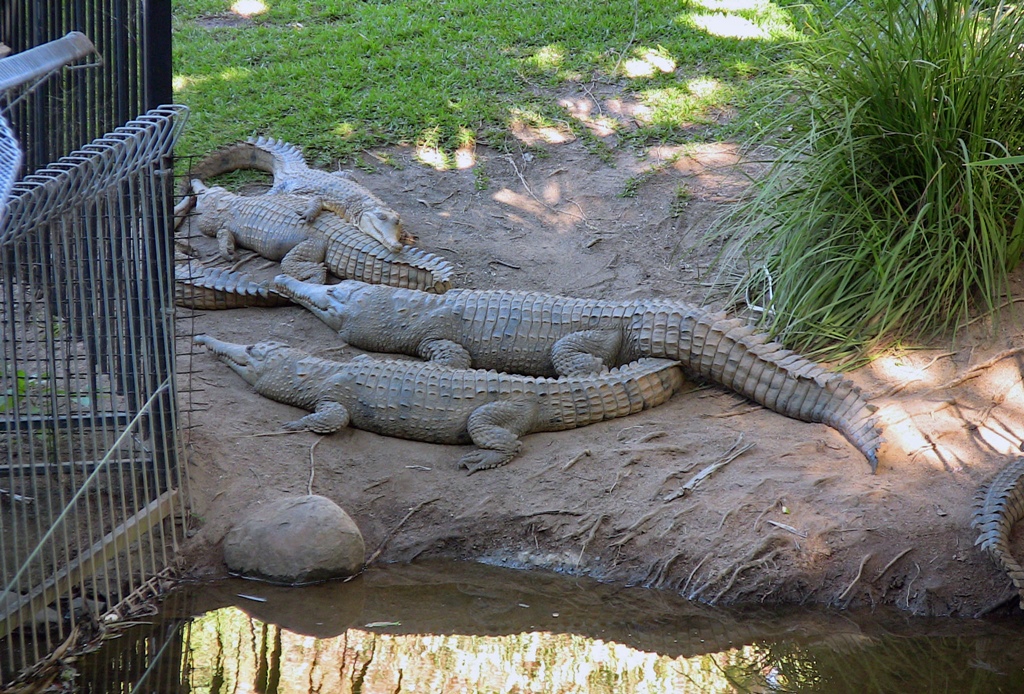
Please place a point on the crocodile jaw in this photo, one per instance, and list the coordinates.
(326, 302)
(248, 361)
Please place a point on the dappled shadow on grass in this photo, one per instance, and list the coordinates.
(395, 72)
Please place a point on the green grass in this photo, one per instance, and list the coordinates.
(874, 225)
(339, 76)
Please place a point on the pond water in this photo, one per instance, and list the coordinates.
(458, 627)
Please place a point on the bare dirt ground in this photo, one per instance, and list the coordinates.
(798, 518)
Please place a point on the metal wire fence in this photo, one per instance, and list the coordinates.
(129, 74)
(90, 492)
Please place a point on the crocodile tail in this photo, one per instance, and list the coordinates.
(351, 254)
(625, 390)
(284, 156)
(240, 155)
(998, 506)
(730, 353)
(215, 289)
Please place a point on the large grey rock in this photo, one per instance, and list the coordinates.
(300, 539)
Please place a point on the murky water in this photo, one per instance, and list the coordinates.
(452, 627)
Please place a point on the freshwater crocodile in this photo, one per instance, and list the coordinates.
(272, 226)
(540, 334)
(998, 506)
(424, 401)
(326, 190)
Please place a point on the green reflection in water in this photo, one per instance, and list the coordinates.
(468, 628)
(235, 652)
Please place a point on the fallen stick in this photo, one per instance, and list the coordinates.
(309, 484)
(735, 412)
(735, 452)
(791, 529)
(576, 458)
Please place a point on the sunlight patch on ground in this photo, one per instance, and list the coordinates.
(648, 64)
(685, 104)
(1004, 382)
(531, 133)
(535, 208)
(629, 109)
(344, 130)
(234, 73)
(901, 370)
(465, 157)
(248, 8)
(704, 87)
(583, 110)
(729, 26)
(759, 20)
(709, 168)
(432, 156)
(548, 58)
(990, 406)
(183, 82)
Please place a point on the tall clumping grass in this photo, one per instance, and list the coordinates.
(889, 215)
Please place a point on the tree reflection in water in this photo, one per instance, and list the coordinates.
(468, 628)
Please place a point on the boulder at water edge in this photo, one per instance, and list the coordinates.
(296, 539)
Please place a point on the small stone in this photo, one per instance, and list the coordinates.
(301, 539)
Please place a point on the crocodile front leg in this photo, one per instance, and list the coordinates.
(313, 208)
(226, 242)
(495, 428)
(445, 352)
(586, 352)
(305, 262)
(329, 417)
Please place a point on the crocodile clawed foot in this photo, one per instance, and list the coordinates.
(483, 460)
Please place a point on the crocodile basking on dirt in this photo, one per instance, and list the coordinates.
(998, 506)
(540, 334)
(424, 401)
(271, 225)
(324, 190)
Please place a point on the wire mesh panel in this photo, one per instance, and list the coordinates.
(10, 163)
(89, 485)
(130, 75)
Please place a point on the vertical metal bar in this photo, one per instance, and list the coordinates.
(157, 63)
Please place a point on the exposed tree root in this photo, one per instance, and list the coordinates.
(891, 562)
(976, 370)
(695, 569)
(752, 560)
(391, 533)
(740, 569)
(860, 570)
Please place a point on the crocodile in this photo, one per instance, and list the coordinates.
(540, 334)
(326, 190)
(998, 506)
(270, 225)
(430, 402)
